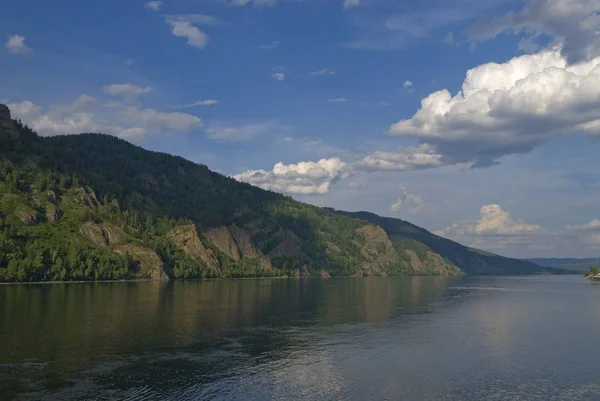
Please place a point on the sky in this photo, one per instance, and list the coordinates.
(476, 119)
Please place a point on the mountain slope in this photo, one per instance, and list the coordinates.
(581, 265)
(92, 206)
(471, 261)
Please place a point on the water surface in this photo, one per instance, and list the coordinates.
(468, 338)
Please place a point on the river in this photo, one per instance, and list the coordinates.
(417, 338)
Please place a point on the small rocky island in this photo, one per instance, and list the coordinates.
(593, 274)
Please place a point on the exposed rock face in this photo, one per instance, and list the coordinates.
(52, 198)
(186, 239)
(4, 112)
(236, 243)
(150, 183)
(151, 267)
(102, 234)
(7, 125)
(87, 198)
(53, 213)
(26, 214)
(290, 247)
(433, 263)
(378, 250)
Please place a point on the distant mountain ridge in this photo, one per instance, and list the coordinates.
(579, 265)
(95, 207)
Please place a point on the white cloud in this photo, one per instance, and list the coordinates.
(409, 158)
(132, 134)
(413, 202)
(279, 76)
(528, 45)
(182, 26)
(154, 5)
(592, 240)
(207, 102)
(508, 108)
(573, 23)
(324, 71)
(407, 84)
(493, 221)
(351, 3)
(337, 100)
(383, 103)
(244, 132)
(129, 62)
(162, 122)
(199, 19)
(592, 225)
(16, 44)
(67, 120)
(271, 46)
(255, 3)
(302, 178)
(449, 39)
(127, 91)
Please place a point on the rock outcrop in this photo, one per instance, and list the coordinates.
(87, 198)
(377, 249)
(186, 239)
(151, 267)
(236, 243)
(26, 214)
(53, 213)
(102, 234)
(430, 263)
(7, 125)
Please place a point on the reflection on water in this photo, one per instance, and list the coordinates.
(379, 338)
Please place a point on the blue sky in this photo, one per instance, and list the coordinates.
(379, 105)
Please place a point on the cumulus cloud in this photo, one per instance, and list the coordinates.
(449, 39)
(302, 178)
(407, 84)
(255, 3)
(408, 158)
(351, 3)
(271, 46)
(337, 100)
(67, 120)
(278, 76)
(413, 203)
(592, 225)
(573, 23)
(127, 91)
(183, 26)
(199, 103)
(592, 240)
(16, 44)
(324, 71)
(162, 122)
(243, 132)
(154, 5)
(493, 221)
(509, 108)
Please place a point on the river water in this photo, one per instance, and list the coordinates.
(421, 338)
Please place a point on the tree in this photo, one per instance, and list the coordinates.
(592, 272)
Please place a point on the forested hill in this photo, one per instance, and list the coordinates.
(471, 261)
(95, 207)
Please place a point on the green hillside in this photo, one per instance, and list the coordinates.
(94, 207)
(471, 261)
